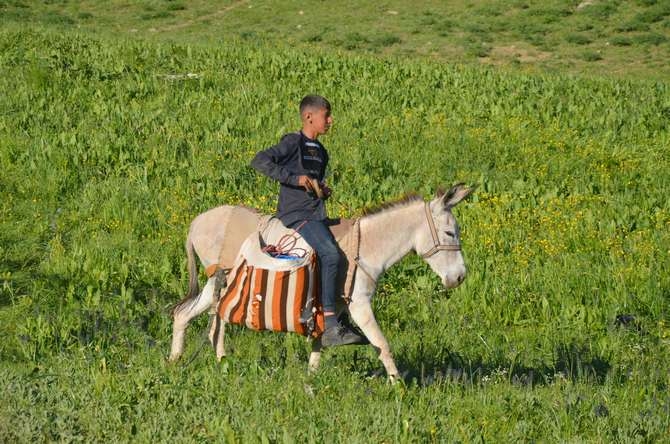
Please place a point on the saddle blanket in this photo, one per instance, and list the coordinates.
(269, 293)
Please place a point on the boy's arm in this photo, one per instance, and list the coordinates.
(268, 163)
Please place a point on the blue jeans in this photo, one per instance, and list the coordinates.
(317, 234)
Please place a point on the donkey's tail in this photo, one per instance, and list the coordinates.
(193, 286)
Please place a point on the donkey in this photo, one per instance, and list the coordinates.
(386, 236)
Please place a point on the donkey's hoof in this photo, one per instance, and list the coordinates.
(399, 378)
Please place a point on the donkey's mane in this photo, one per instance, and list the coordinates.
(406, 199)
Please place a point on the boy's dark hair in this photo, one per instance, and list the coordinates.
(314, 101)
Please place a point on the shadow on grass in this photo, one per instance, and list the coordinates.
(571, 362)
(48, 325)
(18, 277)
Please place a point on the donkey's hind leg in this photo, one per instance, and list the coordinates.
(217, 336)
(218, 328)
(315, 356)
(185, 312)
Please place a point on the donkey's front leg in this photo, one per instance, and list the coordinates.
(361, 313)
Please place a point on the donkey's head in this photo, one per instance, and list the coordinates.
(438, 241)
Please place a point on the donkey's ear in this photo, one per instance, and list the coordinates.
(456, 194)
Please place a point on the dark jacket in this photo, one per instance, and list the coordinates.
(293, 156)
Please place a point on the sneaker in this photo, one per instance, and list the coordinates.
(341, 335)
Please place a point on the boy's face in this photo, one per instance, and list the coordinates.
(318, 120)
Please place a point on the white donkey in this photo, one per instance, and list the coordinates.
(386, 236)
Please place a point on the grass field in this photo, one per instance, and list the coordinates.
(603, 37)
(111, 141)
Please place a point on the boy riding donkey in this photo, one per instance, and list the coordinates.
(296, 162)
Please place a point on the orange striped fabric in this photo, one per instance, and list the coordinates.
(265, 299)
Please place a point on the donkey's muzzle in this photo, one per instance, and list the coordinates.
(455, 280)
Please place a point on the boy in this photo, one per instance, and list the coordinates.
(297, 159)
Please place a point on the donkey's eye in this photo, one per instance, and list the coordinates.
(450, 233)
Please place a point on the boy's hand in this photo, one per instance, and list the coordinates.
(303, 181)
(313, 186)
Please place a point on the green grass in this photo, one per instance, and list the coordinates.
(108, 150)
(521, 35)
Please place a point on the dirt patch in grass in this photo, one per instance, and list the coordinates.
(203, 18)
(513, 53)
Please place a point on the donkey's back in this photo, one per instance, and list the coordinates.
(216, 236)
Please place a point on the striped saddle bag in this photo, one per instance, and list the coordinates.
(278, 293)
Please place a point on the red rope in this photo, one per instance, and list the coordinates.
(286, 245)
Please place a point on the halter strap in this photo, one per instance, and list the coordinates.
(357, 259)
(437, 246)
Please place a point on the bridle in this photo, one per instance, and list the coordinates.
(437, 246)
